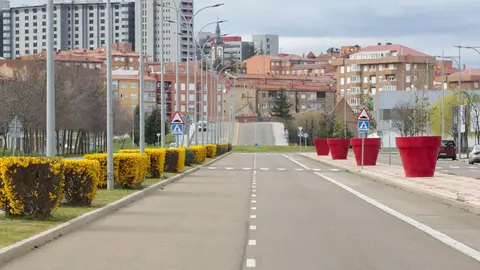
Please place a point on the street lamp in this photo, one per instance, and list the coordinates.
(110, 172)
(188, 23)
(50, 116)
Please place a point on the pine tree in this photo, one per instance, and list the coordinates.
(152, 126)
(282, 106)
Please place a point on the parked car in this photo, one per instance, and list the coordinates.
(202, 125)
(448, 149)
(474, 156)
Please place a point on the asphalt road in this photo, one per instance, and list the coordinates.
(251, 133)
(456, 167)
(265, 211)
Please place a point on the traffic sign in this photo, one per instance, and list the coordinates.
(177, 119)
(300, 134)
(177, 129)
(300, 128)
(305, 135)
(363, 126)
(363, 116)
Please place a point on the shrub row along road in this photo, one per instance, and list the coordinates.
(305, 216)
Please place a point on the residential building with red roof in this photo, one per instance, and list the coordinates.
(470, 79)
(388, 67)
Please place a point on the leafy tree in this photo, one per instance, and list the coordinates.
(333, 50)
(450, 101)
(153, 125)
(282, 106)
(337, 129)
(412, 118)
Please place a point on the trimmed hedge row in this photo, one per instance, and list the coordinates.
(34, 187)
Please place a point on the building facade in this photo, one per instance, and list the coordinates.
(77, 25)
(152, 35)
(269, 44)
(389, 67)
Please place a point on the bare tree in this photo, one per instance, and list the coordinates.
(401, 118)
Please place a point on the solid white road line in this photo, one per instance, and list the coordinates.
(252, 242)
(416, 224)
(251, 263)
(296, 162)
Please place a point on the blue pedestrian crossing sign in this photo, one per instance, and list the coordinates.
(363, 126)
(177, 129)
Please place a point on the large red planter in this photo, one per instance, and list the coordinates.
(338, 148)
(370, 152)
(321, 146)
(419, 154)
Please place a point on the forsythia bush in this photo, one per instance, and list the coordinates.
(171, 160)
(175, 159)
(81, 181)
(157, 160)
(189, 157)
(222, 149)
(211, 150)
(132, 168)
(200, 153)
(102, 158)
(31, 186)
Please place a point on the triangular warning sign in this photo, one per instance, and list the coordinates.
(363, 116)
(363, 126)
(177, 119)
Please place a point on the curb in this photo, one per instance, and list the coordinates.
(436, 197)
(22, 247)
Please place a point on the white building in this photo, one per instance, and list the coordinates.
(268, 43)
(152, 35)
(77, 25)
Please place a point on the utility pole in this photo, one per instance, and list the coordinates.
(443, 94)
(459, 122)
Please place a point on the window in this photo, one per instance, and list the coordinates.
(342, 69)
(133, 85)
(123, 85)
(342, 81)
(348, 68)
(355, 79)
(342, 92)
(475, 85)
(407, 78)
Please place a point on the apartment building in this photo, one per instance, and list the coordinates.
(470, 79)
(152, 35)
(122, 57)
(288, 64)
(77, 25)
(126, 88)
(256, 94)
(389, 67)
(268, 43)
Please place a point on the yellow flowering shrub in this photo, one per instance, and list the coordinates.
(211, 150)
(132, 169)
(81, 181)
(157, 160)
(182, 154)
(31, 186)
(102, 158)
(200, 153)
(222, 149)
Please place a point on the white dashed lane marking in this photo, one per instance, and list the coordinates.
(251, 263)
(252, 242)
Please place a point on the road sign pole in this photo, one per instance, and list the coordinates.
(363, 149)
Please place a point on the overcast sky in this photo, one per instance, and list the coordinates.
(315, 25)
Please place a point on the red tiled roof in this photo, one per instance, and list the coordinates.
(311, 55)
(468, 72)
(399, 49)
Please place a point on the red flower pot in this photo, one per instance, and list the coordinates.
(338, 148)
(419, 154)
(321, 147)
(370, 152)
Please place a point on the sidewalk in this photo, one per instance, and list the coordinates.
(458, 191)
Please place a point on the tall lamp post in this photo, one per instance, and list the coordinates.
(141, 67)
(110, 172)
(50, 84)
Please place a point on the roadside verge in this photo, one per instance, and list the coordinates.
(452, 190)
(24, 246)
